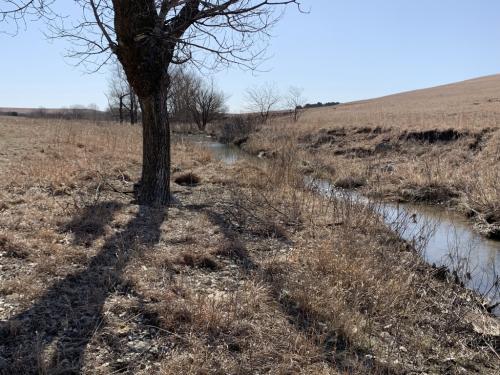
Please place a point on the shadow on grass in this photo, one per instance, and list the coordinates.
(62, 322)
(90, 224)
(337, 350)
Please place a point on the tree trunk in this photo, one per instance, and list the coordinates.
(131, 112)
(155, 182)
(133, 106)
(134, 113)
(121, 110)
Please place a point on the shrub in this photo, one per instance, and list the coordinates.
(235, 129)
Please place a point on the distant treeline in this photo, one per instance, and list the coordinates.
(67, 114)
(82, 113)
(318, 104)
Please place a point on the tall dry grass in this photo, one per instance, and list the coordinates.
(251, 272)
(438, 145)
(350, 282)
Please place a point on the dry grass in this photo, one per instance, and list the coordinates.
(249, 273)
(353, 286)
(473, 104)
(438, 145)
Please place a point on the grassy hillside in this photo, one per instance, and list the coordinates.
(469, 104)
(438, 145)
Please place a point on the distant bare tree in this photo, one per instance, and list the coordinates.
(148, 36)
(77, 111)
(133, 108)
(117, 92)
(121, 95)
(295, 101)
(207, 103)
(192, 99)
(262, 100)
(182, 85)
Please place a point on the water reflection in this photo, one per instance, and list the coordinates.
(443, 237)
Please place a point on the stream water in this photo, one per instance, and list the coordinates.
(449, 239)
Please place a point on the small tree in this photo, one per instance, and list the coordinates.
(262, 100)
(207, 103)
(295, 101)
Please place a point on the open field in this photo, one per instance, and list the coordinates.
(438, 145)
(30, 111)
(472, 104)
(247, 273)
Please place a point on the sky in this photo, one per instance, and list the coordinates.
(338, 51)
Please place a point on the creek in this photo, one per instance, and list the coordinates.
(445, 237)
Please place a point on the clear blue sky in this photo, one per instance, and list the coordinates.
(341, 50)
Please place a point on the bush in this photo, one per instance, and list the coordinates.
(235, 129)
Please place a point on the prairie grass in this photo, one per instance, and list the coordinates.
(349, 281)
(250, 272)
(439, 145)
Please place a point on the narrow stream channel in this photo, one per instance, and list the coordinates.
(451, 241)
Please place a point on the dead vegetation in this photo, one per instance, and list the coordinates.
(248, 273)
(439, 145)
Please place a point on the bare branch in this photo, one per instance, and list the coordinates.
(18, 12)
(262, 100)
(295, 101)
(101, 26)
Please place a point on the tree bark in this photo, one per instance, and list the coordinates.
(155, 181)
(133, 106)
(131, 112)
(121, 110)
(145, 55)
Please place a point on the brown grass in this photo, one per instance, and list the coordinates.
(249, 273)
(439, 145)
(473, 104)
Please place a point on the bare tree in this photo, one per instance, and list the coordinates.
(207, 103)
(117, 92)
(193, 99)
(262, 100)
(121, 95)
(148, 36)
(134, 105)
(295, 101)
(182, 86)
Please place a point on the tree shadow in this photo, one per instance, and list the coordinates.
(335, 346)
(90, 224)
(64, 319)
